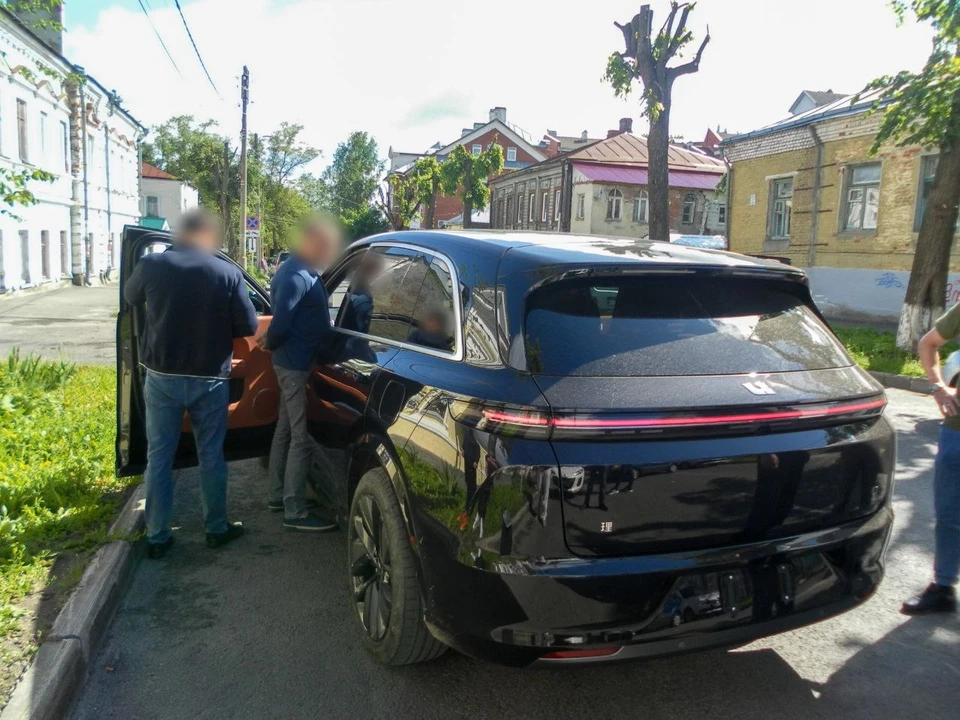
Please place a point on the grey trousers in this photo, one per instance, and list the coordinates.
(291, 450)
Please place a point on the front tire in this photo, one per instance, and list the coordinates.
(383, 579)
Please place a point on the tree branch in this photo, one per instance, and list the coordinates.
(693, 65)
(677, 38)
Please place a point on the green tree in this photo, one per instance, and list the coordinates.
(923, 108)
(15, 191)
(315, 191)
(286, 154)
(354, 174)
(192, 151)
(363, 221)
(466, 175)
(413, 192)
(645, 58)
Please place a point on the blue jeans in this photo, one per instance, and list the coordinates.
(946, 502)
(167, 398)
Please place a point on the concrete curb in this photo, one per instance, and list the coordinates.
(60, 667)
(903, 382)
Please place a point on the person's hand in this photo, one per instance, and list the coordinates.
(261, 341)
(947, 401)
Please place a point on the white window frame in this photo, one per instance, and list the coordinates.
(689, 203)
(780, 212)
(581, 205)
(863, 190)
(532, 210)
(65, 149)
(556, 206)
(544, 205)
(641, 199)
(614, 204)
(511, 154)
(146, 205)
(23, 131)
(476, 149)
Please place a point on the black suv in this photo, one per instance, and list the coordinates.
(563, 449)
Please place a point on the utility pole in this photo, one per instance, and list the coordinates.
(224, 209)
(244, 96)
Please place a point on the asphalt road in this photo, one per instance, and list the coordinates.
(263, 629)
(76, 323)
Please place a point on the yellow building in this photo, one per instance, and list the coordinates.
(808, 190)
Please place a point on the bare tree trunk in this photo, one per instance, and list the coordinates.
(432, 205)
(658, 182)
(926, 290)
(467, 196)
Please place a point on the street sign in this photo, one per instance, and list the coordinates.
(253, 223)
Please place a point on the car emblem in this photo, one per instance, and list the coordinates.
(759, 388)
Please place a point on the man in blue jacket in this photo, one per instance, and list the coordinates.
(299, 329)
(195, 305)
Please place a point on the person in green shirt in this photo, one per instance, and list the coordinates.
(940, 595)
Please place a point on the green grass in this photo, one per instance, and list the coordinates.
(878, 351)
(58, 493)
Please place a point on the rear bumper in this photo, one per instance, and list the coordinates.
(656, 605)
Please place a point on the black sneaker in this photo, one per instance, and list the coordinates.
(275, 505)
(935, 599)
(155, 551)
(234, 530)
(310, 523)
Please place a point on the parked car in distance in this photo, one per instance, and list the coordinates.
(561, 449)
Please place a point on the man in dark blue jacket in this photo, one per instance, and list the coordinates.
(195, 305)
(299, 329)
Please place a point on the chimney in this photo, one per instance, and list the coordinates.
(40, 20)
(583, 136)
(466, 131)
(626, 125)
(612, 133)
(498, 113)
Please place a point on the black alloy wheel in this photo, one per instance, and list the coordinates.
(370, 566)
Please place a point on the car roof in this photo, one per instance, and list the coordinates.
(555, 248)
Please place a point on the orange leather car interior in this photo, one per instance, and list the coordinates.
(260, 398)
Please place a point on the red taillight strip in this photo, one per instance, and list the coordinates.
(581, 654)
(596, 423)
(512, 419)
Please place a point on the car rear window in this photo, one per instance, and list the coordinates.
(673, 325)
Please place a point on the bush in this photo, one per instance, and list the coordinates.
(878, 351)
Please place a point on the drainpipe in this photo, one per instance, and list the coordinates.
(106, 155)
(728, 201)
(86, 188)
(815, 219)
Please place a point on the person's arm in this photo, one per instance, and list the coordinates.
(134, 290)
(929, 352)
(287, 293)
(242, 313)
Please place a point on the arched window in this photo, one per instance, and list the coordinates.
(689, 208)
(614, 205)
(640, 207)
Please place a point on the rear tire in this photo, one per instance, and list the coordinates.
(382, 577)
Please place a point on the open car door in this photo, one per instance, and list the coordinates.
(254, 393)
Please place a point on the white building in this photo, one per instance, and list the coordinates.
(164, 197)
(55, 118)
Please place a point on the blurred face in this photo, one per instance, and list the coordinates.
(206, 239)
(318, 247)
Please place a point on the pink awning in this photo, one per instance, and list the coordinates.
(638, 176)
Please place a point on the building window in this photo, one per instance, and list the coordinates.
(615, 205)
(153, 206)
(640, 204)
(65, 141)
(581, 205)
(863, 198)
(45, 254)
(65, 268)
(721, 214)
(91, 145)
(556, 206)
(25, 256)
(519, 210)
(543, 207)
(509, 211)
(689, 208)
(928, 170)
(511, 154)
(477, 149)
(781, 207)
(22, 130)
(43, 138)
(532, 207)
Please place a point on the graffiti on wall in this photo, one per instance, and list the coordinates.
(892, 281)
(889, 280)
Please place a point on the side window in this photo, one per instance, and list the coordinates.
(383, 293)
(434, 320)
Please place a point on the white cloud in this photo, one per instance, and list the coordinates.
(416, 71)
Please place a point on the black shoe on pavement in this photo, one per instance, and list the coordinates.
(310, 523)
(935, 599)
(275, 506)
(155, 551)
(234, 530)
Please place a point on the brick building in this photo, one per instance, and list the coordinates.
(520, 150)
(807, 189)
(601, 189)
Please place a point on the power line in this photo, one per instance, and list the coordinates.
(157, 33)
(195, 49)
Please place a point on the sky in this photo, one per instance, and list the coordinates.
(414, 72)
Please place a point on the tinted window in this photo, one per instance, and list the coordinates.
(676, 325)
(383, 293)
(434, 320)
